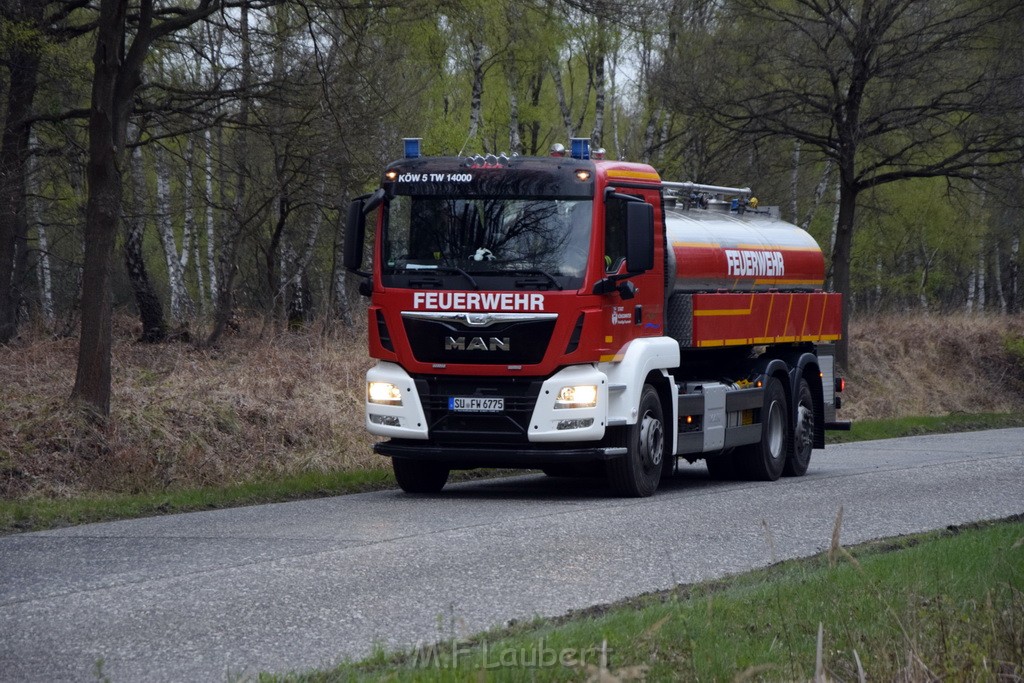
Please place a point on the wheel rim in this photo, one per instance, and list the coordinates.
(805, 428)
(651, 441)
(775, 431)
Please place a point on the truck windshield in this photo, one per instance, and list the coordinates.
(500, 243)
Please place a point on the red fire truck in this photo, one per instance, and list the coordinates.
(582, 316)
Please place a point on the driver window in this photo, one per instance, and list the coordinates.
(614, 234)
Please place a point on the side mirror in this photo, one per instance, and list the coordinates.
(355, 235)
(639, 237)
(355, 230)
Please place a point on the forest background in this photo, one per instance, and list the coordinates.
(189, 164)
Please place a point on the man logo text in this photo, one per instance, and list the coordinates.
(476, 344)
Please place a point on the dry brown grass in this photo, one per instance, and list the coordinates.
(183, 417)
(266, 405)
(909, 365)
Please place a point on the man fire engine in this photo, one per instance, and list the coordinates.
(583, 316)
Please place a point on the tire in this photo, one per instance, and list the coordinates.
(419, 476)
(802, 439)
(765, 460)
(638, 474)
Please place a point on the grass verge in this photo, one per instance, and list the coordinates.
(868, 430)
(34, 514)
(946, 605)
(46, 513)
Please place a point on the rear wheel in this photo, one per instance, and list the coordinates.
(638, 473)
(802, 439)
(419, 476)
(765, 460)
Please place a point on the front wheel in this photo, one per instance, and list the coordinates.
(419, 476)
(802, 439)
(638, 474)
(765, 460)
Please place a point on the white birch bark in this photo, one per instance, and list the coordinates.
(563, 103)
(997, 273)
(43, 271)
(834, 232)
(190, 239)
(180, 303)
(515, 141)
(972, 286)
(211, 258)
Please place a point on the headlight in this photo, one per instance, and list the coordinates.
(584, 396)
(385, 393)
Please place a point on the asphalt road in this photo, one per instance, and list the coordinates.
(225, 594)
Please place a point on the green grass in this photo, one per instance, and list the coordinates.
(45, 513)
(867, 430)
(938, 606)
(35, 514)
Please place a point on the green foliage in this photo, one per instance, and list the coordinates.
(1015, 348)
(23, 37)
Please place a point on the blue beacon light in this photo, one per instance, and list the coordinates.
(412, 147)
(580, 148)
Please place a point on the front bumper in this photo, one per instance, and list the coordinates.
(531, 414)
(459, 456)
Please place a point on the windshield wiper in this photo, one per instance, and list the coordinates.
(535, 271)
(460, 271)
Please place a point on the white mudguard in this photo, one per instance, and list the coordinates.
(627, 373)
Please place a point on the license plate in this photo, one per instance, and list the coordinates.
(475, 404)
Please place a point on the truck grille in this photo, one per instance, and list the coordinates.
(504, 343)
(509, 426)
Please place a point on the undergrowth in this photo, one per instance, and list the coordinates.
(264, 406)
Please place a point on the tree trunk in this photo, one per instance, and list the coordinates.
(794, 183)
(181, 304)
(23, 66)
(35, 214)
(597, 136)
(515, 140)
(151, 310)
(224, 312)
(476, 98)
(103, 209)
(841, 252)
(211, 261)
(190, 237)
(981, 279)
(1015, 274)
(563, 103)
